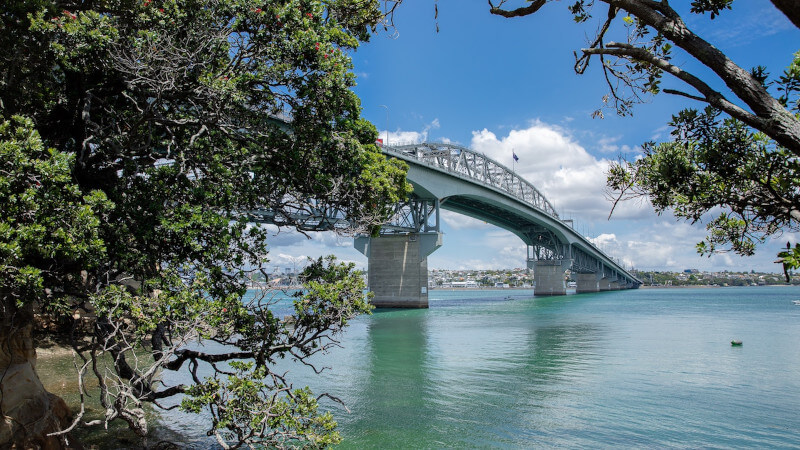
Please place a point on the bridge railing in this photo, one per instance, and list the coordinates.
(476, 166)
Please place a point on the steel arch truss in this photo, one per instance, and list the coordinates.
(305, 216)
(476, 167)
(544, 245)
(415, 215)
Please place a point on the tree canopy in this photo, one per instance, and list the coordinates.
(135, 137)
(732, 165)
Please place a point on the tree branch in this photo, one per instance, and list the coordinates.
(185, 355)
(711, 96)
(790, 8)
(685, 94)
(777, 123)
(519, 12)
(583, 62)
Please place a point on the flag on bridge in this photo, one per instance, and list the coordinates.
(515, 155)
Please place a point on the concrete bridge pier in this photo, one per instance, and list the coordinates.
(588, 282)
(609, 283)
(549, 276)
(398, 268)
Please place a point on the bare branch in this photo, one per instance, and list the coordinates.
(711, 96)
(583, 62)
(519, 12)
(684, 94)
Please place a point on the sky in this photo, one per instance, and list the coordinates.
(500, 85)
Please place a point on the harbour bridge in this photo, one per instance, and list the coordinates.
(455, 178)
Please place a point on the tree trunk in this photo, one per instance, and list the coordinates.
(791, 8)
(29, 412)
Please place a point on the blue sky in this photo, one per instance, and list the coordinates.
(496, 84)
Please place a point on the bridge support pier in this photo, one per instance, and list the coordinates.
(610, 283)
(398, 268)
(587, 282)
(549, 276)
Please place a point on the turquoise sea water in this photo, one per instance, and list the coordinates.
(641, 368)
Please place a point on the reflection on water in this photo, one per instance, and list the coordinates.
(466, 372)
(646, 368)
(398, 379)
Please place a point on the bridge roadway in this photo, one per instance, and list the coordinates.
(455, 178)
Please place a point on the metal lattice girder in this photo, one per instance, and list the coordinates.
(414, 216)
(545, 245)
(476, 167)
(583, 262)
(309, 215)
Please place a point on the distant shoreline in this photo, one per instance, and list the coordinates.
(480, 288)
(681, 286)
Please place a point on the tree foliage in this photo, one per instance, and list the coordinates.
(733, 165)
(49, 229)
(136, 136)
(711, 163)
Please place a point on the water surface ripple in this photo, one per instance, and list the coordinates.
(641, 368)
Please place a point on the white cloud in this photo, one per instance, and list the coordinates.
(399, 137)
(404, 137)
(281, 237)
(572, 179)
(667, 245)
(608, 144)
(288, 247)
(458, 221)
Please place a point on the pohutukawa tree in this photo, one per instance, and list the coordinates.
(134, 137)
(734, 165)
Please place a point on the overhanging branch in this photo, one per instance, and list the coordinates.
(519, 12)
(710, 95)
(185, 355)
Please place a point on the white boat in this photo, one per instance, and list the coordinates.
(796, 302)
